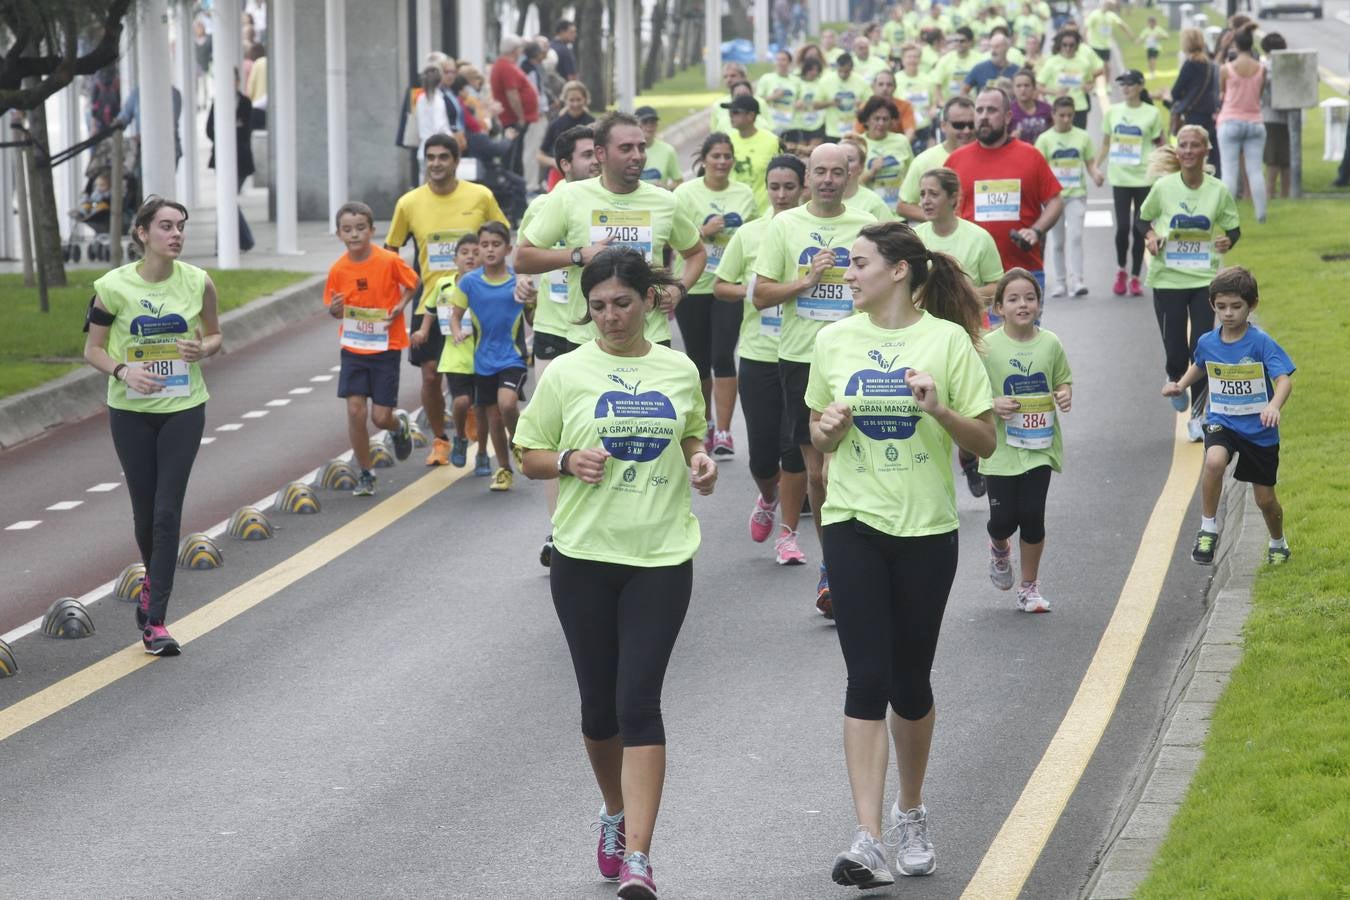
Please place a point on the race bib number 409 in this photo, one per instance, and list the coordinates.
(365, 329)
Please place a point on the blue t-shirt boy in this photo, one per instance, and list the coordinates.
(498, 318)
(1241, 378)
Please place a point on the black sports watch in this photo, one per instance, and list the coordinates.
(576, 256)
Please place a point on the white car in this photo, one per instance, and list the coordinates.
(1267, 8)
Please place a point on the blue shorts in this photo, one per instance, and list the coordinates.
(373, 375)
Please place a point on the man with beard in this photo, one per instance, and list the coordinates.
(1007, 187)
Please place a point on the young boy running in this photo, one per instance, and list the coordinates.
(368, 288)
(1249, 382)
(456, 361)
(1069, 151)
(488, 293)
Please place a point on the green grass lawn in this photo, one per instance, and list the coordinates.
(37, 347)
(1317, 173)
(1268, 814)
(684, 93)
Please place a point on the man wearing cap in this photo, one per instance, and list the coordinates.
(1007, 187)
(720, 118)
(752, 146)
(663, 166)
(843, 91)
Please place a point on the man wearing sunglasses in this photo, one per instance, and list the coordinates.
(958, 129)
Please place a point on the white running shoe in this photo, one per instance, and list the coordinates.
(862, 865)
(1029, 599)
(1059, 290)
(914, 854)
(1000, 567)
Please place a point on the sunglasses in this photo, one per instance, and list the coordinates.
(960, 126)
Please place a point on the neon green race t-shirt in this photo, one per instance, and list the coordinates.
(639, 409)
(698, 203)
(1130, 132)
(150, 318)
(753, 155)
(869, 202)
(895, 155)
(1187, 221)
(1030, 371)
(553, 313)
(935, 157)
(1068, 153)
(921, 93)
(1071, 75)
(456, 359)
(1099, 25)
(893, 469)
(581, 213)
(662, 164)
(759, 327)
(848, 95)
(972, 247)
(808, 92)
(781, 112)
(791, 240)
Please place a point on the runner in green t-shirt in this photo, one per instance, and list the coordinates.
(918, 90)
(1066, 73)
(958, 129)
(718, 206)
(1100, 25)
(1068, 149)
(842, 91)
(615, 208)
(855, 196)
(620, 423)
(1032, 385)
(890, 390)
(754, 147)
(1130, 132)
(779, 90)
(779, 472)
(800, 268)
(663, 165)
(888, 153)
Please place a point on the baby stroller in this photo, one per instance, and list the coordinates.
(95, 213)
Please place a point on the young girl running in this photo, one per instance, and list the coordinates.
(776, 462)
(1032, 383)
(150, 325)
(620, 421)
(890, 391)
(719, 206)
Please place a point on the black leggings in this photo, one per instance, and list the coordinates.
(710, 328)
(1178, 308)
(621, 623)
(770, 437)
(157, 451)
(1128, 200)
(889, 595)
(1018, 501)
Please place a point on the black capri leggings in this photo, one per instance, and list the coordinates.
(1018, 501)
(771, 443)
(1128, 200)
(710, 328)
(157, 451)
(621, 623)
(1177, 310)
(889, 595)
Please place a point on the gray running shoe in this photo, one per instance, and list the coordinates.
(403, 442)
(1276, 556)
(914, 854)
(1203, 551)
(862, 865)
(1000, 567)
(365, 485)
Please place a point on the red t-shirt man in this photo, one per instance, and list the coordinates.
(1004, 189)
(505, 76)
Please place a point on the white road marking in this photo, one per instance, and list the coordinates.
(280, 401)
(322, 378)
(336, 369)
(24, 525)
(1099, 218)
(255, 414)
(302, 390)
(64, 505)
(103, 487)
(208, 440)
(233, 426)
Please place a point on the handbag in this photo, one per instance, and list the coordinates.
(408, 137)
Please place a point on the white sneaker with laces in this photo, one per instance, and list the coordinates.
(1029, 599)
(863, 865)
(914, 853)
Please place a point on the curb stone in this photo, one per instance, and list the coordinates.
(80, 394)
(1146, 813)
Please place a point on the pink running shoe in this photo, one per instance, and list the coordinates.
(785, 549)
(635, 878)
(1119, 287)
(143, 605)
(1136, 288)
(158, 641)
(609, 851)
(723, 446)
(762, 519)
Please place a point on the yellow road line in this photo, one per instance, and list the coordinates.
(76, 687)
(1018, 844)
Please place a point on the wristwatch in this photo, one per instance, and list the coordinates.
(562, 462)
(576, 256)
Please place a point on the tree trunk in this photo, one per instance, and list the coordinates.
(651, 69)
(592, 52)
(42, 199)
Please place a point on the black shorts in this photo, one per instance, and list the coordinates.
(430, 351)
(1255, 465)
(373, 375)
(793, 376)
(461, 384)
(1152, 52)
(485, 386)
(1104, 54)
(550, 346)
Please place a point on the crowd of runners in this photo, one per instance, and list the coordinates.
(857, 263)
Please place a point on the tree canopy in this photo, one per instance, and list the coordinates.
(43, 40)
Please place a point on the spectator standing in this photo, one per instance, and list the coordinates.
(1240, 126)
(1276, 155)
(431, 108)
(1195, 93)
(564, 36)
(243, 149)
(533, 67)
(519, 100)
(201, 54)
(576, 97)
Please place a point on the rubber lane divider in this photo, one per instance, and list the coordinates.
(1019, 843)
(74, 688)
